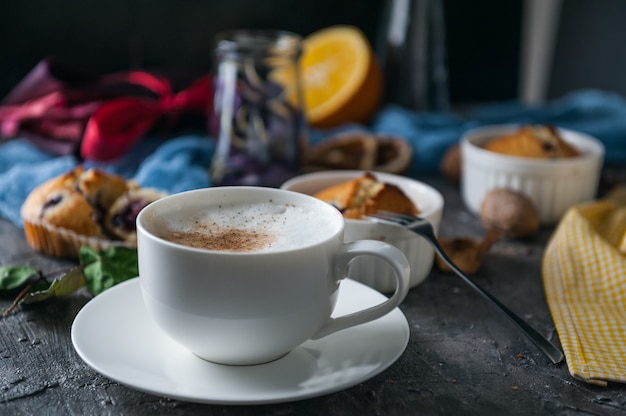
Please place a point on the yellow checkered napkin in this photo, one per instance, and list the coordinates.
(584, 276)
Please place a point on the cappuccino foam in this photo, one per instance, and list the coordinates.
(250, 227)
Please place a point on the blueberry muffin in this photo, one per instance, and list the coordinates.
(71, 210)
(101, 189)
(59, 205)
(121, 216)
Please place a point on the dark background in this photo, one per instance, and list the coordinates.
(482, 37)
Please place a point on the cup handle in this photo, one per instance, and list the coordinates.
(386, 252)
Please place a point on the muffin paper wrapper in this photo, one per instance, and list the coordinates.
(61, 242)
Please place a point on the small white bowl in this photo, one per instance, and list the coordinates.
(369, 270)
(553, 185)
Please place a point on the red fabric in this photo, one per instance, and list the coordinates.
(117, 124)
(63, 111)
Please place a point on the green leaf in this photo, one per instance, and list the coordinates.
(68, 283)
(87, 255)
(107, 268)
(13, 277)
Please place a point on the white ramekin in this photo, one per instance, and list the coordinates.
(552, 184)
(369, 270)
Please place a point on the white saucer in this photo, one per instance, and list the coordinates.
(115, 336)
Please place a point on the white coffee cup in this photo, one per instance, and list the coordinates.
(251, 307)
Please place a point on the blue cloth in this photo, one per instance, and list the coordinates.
(22, 167)
(175, 165)
(599, 114)
(181, 163)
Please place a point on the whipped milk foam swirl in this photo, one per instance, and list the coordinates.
(249, 227)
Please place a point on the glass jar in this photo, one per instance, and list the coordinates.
(412, 52)
(258, 118)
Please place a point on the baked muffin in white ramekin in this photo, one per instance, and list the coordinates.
(368, 270)
(553, 182)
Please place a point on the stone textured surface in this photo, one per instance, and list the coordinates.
(463, 357)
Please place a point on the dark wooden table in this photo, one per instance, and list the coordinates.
(463, 356)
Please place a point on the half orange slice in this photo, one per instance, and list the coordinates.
(341, 77)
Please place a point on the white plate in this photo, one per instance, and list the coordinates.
(115, 336)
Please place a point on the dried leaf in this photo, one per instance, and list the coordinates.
(68, 283)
